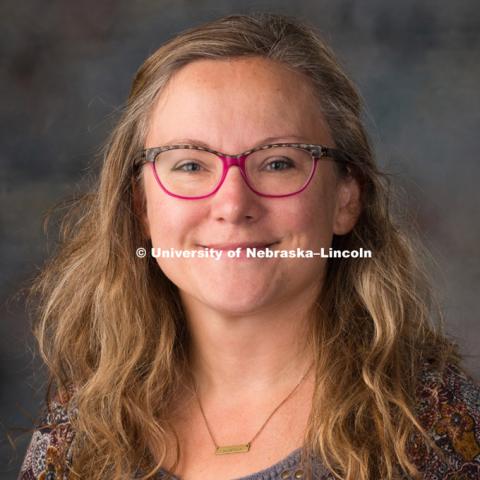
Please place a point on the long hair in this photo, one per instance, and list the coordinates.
(111, 328)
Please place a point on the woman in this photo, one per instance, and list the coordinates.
(218, 354)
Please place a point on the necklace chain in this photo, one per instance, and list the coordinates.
(245, 447)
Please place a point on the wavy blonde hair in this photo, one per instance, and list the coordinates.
(113, 327)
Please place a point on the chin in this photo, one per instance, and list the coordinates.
(235, 300)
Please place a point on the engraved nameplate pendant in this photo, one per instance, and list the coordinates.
(232, 449)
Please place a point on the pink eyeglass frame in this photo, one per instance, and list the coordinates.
(317, 152)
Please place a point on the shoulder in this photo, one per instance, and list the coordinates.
(49, 452)
(448, 407)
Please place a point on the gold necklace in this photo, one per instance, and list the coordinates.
(244, 447)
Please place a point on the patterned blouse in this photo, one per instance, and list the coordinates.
(448, 407)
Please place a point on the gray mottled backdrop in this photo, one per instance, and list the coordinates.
(66, 68)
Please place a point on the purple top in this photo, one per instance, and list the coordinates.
(448, 407)
(287, 469)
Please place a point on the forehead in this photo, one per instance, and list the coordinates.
(246, 99)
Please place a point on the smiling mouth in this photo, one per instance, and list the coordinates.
(244, 245)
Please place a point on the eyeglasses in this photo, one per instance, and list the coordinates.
(275, 170)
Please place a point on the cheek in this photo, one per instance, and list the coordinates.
(310, 217)
(170, 220)
(171, 225)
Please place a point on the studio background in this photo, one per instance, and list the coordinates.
(66, 68)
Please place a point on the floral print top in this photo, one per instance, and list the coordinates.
(448, 407)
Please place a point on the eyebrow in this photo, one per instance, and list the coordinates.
(283, 138)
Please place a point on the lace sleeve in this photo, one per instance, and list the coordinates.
(449, 408)
(48, 455)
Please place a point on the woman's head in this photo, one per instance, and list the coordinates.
(114, 325)
(233, 105)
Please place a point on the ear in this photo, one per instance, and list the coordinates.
(348, 205)
(139, 206)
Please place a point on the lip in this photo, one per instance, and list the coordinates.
(243, 245)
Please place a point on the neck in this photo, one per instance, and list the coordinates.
(251, 354)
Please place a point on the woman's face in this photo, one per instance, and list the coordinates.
(231, 106)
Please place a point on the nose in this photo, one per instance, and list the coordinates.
(234, 202)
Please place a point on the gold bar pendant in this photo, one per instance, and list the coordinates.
(232, 449)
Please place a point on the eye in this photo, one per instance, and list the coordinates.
(188, 166)
(280, 163)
